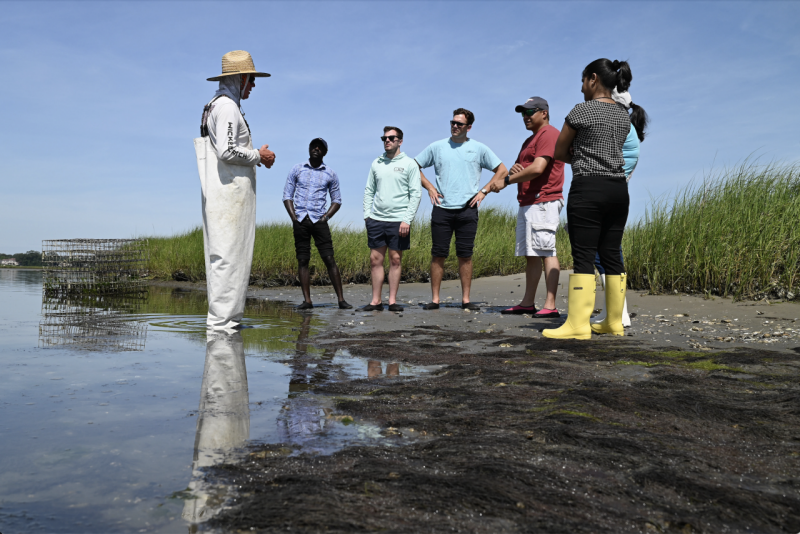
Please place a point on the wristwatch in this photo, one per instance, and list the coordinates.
(508, 179)
(484, 191)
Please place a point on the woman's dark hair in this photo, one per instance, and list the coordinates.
(617, 75)
(639, 119)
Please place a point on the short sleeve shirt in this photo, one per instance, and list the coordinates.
(547, 186)
(458, 168)
(601, 131)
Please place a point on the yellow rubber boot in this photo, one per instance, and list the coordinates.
(615, 302)
(581, 303)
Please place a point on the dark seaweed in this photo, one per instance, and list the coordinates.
(529, 440)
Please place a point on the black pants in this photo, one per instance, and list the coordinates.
(597, 210)
(304, 231)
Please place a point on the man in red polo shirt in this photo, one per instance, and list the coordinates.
(540, 180)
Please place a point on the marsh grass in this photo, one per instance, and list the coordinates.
(180, 257)
(735, 234)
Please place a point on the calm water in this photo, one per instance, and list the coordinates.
(108, 416)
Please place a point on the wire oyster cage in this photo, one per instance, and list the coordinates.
(73, 267)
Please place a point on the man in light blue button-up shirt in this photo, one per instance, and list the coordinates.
(305, 197)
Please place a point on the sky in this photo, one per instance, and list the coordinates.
(101, 100)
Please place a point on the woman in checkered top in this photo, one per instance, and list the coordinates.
(597, 207)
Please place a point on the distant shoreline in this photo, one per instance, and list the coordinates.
(21, 267)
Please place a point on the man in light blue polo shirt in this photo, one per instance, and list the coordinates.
(456, 195)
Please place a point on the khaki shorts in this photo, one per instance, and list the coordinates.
(536, 228)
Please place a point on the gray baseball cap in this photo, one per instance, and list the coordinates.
(534, 102)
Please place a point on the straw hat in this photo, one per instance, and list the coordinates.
(238, 62)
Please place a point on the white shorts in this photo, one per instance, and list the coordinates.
(536, 228)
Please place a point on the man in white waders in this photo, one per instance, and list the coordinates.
(227, 164)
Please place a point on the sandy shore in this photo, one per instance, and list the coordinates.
(683, 321)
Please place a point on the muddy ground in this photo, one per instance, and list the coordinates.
(689, 423)
(516, 434)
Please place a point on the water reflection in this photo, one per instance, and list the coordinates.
(223, 423)
(29, 277)
(92, 323)
(308, 368)
(374, 369)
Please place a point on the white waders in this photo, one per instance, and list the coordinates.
(229, 230)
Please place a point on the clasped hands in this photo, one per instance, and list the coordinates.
(267, 156)
(497, 185)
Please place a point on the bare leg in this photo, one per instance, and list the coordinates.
(336, 278)
(533, 272)
(376, 257)
(437, 272)
(395, 266)
(465, 273)
(305, 279)
(552, 269)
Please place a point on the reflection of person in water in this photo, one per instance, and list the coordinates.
(306, 418)
(374, 369)
(223, 421)
(306, 372)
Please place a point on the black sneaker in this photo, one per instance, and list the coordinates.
(395, 307)
(343, 305)
(305, 306)
(373, 307)
(431, 306)
(470, 306)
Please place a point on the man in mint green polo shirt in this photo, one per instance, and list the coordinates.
(456, 195)
(391, 199)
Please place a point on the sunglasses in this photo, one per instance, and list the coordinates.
(530, 112)
(458, 124)
(392, 138)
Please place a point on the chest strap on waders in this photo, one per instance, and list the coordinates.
(207, 111)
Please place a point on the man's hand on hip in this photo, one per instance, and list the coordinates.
(405, 228)
(435, 196)
(477, 199)
(267, 156)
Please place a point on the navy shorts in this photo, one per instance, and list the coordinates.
(444, 223)
(386, 234)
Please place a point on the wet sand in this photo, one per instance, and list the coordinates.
(682, 321)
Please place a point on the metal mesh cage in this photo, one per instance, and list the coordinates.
(94, 267)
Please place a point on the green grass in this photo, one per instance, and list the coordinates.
(734, 234)
(274, 261)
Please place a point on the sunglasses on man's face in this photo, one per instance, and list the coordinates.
(392, 138)
(457, 124)
(530, 112)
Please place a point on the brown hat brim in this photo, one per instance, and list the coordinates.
(253, 74)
